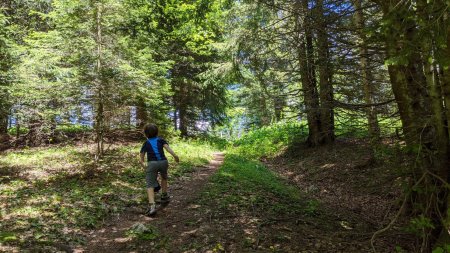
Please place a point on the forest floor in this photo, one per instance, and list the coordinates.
(328, 199)
(124, 233)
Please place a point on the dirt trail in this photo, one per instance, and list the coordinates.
(112, 236)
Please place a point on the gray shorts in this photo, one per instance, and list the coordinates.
(151, 173)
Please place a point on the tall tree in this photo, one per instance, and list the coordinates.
(190, 29)
(410, 38)
(93, 42)
(5, 80)
(366, 73)
(325, 76)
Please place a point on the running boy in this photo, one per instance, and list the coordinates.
(156, 162)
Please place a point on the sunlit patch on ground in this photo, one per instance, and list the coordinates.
(50, 195)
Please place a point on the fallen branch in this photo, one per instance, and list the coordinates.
(395, 218)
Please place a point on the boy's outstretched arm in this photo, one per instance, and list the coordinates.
(142, 159)
(177, 159)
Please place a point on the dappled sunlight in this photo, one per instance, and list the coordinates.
(226, 174)
(328, 166)
(122, 184)
(54, 198)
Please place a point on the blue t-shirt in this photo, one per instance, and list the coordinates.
(154, 149)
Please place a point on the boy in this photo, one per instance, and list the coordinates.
(156, 162)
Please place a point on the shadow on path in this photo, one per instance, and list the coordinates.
(112, 237)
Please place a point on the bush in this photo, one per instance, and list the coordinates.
(269, 140)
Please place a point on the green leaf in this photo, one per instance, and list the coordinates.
(438, 250)
(7, 237)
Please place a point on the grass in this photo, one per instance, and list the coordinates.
(352, 124)
(243, 185)
(269, 140)
(52, 194)
(245, 188)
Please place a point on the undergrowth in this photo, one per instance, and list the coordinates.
(269, 140)
(246, 186)
(52, 194)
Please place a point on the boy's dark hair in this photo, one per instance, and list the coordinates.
(151, 130)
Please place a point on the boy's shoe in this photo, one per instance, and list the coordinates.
(165, 197)
(151, 209)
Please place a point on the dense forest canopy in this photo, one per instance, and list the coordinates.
(104, 68)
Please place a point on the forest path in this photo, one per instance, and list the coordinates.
(113, 236)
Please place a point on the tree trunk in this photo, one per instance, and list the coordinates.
(445, 63)
(372, 118)
(307, 72)
(437, 109)
(141, 113)
(4, 137)
(417, 91)
(175, 119)
(266, 118)
(279, 103)
(3, 122)
(439, 116)
(325, 75)
(400, 90)
(183, 127)
(182, 109)
(100, 117)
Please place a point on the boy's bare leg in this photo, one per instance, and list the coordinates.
(151, 195)
(164, 185)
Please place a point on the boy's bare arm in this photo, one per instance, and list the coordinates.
(177, 159)
(142, 159)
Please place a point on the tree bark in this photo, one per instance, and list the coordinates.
(307, 72)
(372, 118)
(435, 91)
(3, 122)
(4, 137)
(438, 98)
(182, 110)
(183, 126)
(445, 65)
(416, 89)
(278, 103)
(325, 74)
(100, 117)
(141, 113)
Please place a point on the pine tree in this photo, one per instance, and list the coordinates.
(6, 62)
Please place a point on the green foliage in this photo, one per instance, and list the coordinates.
(312, 207)
(263, 76)
(60, 189)
(7, 60)
(442, 249)
(420, 223)
(218, 248)
(242, 184)
(143, 232)
(399, 249)
(105, 56)
(214, 141)
(13, 130)
(269, 140)
(73, 128)
(185, 32)
(355, 124)
(7, 237)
